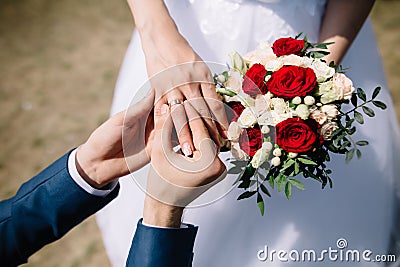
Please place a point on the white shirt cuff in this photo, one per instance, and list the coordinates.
(73, 171)
(183, 225)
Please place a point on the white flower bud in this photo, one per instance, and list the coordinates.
(221, 78)
(265, 129)
(237, 62)
(277, 152)
(296, 100)
(276, 161)
(267, 146)
(309, 100)
(292, 155)
(267, 77)
(302, 111)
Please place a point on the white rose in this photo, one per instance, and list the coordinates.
(261, 55)
(234, 131)
(331, 111)
(276, 161)
(302, 111)
(327, 130)
(248, 118)
(292, 155)
(309, 100)
(235, 81)
(274, 64)
(321, 70)
(293, 60)
(343, 86)
(237, 152)
(296, 100)
(327, 93)
(277, 152)
(318, 116)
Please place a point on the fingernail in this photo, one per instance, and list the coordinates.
(164, 109)
(186, 149)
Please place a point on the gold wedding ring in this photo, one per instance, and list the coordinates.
(175, 102)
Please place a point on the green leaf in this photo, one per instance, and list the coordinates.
(368, 111)
(260, 203)
(358, 151)
(359, 117)
(361, 94)
(376, 92)
(288, 190)
(235, 170)
(297, 184)
(362, 143)
(246, 194)
(354, 100)
(265, 190)
(379, 104)
(349, 155)
(281, 181)
(288, 163)
(307, 161)
(271, 181)
(296, 168)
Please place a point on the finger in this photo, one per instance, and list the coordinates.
(163, 127)
(179, 119)
(197, 125)
(216, 107)
(140, 109)
(197, 101)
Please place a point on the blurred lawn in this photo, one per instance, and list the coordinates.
(59, 62)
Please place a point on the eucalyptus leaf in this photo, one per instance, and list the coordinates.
(368, 111)
(362, 143)
(349, 155)
(376, 92)
(354, 100)
(379, 104)
(235, 170)
(359, 117)
(358, 152)
(361, 94)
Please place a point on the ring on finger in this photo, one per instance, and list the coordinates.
(175, 102)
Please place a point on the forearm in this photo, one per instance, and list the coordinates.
(342, 21)
(154, 24)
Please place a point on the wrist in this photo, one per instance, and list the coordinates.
(159, 214)
(87, 169)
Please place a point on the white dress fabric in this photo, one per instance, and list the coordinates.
(360, 208)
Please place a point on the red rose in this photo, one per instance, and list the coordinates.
(250, 140)
(292, 81)
(253, 80)
(297, 135)
(288, 46)
(236, 109)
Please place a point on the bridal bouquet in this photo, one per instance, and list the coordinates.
(289, 110)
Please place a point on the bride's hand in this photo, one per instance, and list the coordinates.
(177, 72)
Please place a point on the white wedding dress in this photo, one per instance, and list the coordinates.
(360, 208)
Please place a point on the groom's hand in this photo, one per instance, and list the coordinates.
(102, 157)
(175, 180)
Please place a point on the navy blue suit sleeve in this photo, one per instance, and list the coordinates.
(162, 247)
(43, 210)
